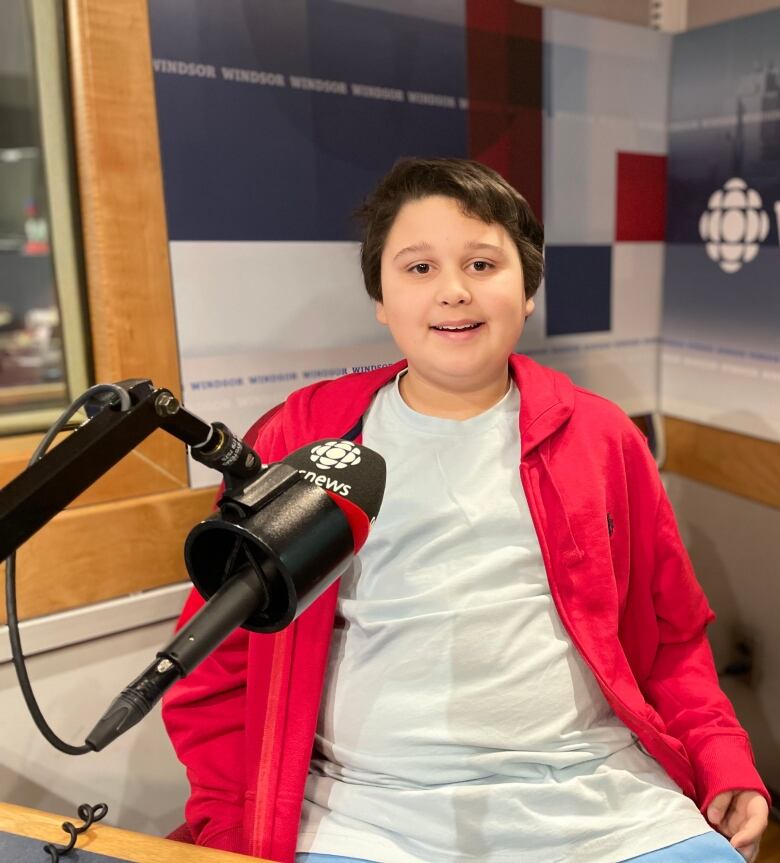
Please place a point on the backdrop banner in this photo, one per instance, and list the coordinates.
(277, 118)
(721, 322)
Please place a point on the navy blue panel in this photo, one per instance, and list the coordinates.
(578, 289)
(730, 311)
(251, 162)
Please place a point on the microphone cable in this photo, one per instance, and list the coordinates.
(17, 655)
(89, 815)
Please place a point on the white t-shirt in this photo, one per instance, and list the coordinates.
(458, 721)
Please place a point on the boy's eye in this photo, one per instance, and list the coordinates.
(422, 269)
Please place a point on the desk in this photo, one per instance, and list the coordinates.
(111, 841)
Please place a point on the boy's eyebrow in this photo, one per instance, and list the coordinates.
(487, 246)
(472, 245)
(416, 247)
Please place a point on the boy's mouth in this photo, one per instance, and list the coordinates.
(456, 326)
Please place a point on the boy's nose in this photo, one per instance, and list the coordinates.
(452, 292)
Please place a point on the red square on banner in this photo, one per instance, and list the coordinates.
(505, 62)
(641, 198)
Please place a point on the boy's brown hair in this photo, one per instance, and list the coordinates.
(482, 193)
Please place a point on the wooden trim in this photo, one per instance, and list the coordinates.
(10, 397)
(110, 842)
(747, 466)
(122, 203)
(99, 552)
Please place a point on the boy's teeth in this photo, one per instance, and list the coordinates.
(456, 329)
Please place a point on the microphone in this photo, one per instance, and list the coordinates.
(277, 544)
(224, 451)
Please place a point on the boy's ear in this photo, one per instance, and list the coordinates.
(530, 305)
(380, 312)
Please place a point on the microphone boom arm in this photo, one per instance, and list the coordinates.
(46, 487)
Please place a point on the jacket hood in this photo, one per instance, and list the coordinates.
(332, 408)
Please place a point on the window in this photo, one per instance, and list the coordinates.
(42, 327)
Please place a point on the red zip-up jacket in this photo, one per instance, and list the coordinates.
(243, 722)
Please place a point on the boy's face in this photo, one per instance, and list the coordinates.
(452, 294)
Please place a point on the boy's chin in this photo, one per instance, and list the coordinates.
(461, 373)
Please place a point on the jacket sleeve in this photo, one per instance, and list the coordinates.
(204, 714)
(683, 684)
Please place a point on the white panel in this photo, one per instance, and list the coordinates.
(624, 373)
(239, 387)
(637, 289)
(606, 91)
(635, 46)
(270, 296)
(730, 392)
(579, 181)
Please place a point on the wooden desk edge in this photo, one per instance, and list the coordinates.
(111, 841)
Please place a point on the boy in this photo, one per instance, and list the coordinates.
(518, 669)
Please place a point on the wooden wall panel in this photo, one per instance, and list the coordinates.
(122, 203)
(736, 463)
(136, 474)
(100, 552)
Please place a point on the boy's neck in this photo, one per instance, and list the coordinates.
(431, 399)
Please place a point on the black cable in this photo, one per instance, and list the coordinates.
(88, 814)
(17, 655)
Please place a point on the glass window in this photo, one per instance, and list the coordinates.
(42, 361)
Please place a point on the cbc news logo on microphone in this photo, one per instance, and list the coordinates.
(336, 454)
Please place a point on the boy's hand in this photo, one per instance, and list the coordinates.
(742, 817)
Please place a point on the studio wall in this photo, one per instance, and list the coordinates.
(276, 119)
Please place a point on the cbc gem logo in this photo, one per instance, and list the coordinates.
(733, 225)
(335, 454)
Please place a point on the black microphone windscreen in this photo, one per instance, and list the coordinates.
(344, 468)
